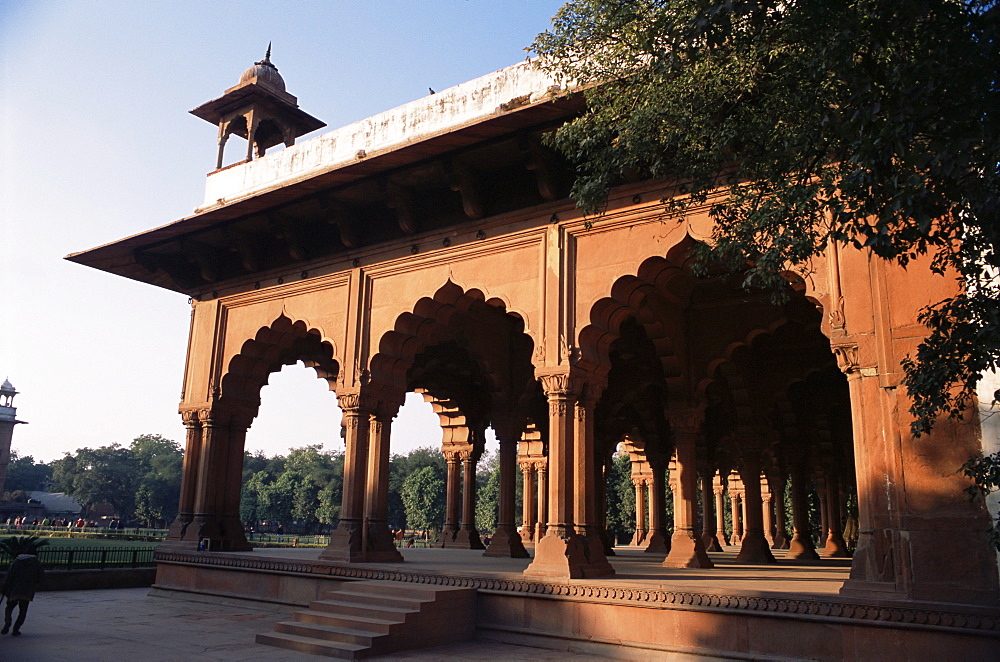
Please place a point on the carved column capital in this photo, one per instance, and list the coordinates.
(190, 418)
(847, 357)
(558, 385)
(686, 420)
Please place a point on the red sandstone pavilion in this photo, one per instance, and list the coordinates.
(432, 248)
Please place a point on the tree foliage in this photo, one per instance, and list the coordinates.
(488, 501)
(141, 482)
(424, 499)
(869, 123)
(620, 499)
(24, 474)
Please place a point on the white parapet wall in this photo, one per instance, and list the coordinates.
(463, 105)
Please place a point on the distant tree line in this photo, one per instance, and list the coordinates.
(141, 482)
(303, 489)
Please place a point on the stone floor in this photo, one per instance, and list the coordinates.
(125, 625)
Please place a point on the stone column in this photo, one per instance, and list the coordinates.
(453, 491)
(234, 534)
(836, 547)
(736, 504)
(506, 541)
(217, 523)
(824, 522)
(252, 123)
(468, 535)
(708, 518)
(754, 546)
(687, 549)
(529, 503)
(767, 498)
(347, 540)
(562, 553)
(801, 545)
(542, 519)
(657, 541)
(379, 545)
(719, 488)
(181, 535)
(913, 510)
(585, 481)
(641, 529)
(780, 523)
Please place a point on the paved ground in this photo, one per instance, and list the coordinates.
(126, 625)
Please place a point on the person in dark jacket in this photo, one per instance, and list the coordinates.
(18, 587)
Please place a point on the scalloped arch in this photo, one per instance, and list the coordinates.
(283, 342)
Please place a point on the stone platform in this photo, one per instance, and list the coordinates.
(792, 610)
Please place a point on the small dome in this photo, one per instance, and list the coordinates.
(264, 72)
(7, 387)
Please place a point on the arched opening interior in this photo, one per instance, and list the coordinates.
(741, 395)
(471, 361)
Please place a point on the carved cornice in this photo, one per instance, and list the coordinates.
(983, 621)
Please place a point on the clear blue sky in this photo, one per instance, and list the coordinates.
(96, 144)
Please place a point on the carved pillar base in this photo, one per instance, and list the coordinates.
(687, 551)
(466, 538)
(835, 547)
(346, 543)
(657, 542)
(506, 543)
(801, 547)
(448, 534)
(217, 534)
(569, 556)
(638, 537)
(528, 536)
(181, 535)
(381, 547)
(711, 542)
(755, 549)
(609, 545)
(780, 540)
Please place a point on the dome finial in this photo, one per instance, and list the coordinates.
(267, 55)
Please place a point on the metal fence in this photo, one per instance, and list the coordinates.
(89, 558)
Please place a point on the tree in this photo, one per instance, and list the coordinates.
(400, 467)
(105, 474)
(159, 465)
(24, 474)
(423, 498)
(620, 499)
(868, 123)
(488, 501)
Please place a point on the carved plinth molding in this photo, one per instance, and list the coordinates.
(984, 621)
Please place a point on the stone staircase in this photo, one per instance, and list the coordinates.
(366, 618)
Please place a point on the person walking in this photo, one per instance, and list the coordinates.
(19, 584)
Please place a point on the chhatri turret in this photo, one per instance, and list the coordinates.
(8, 419)
(258, 109)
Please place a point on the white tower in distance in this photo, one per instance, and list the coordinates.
(8, 419)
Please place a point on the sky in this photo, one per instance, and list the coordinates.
(96, 143)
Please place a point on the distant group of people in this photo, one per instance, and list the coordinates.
(23, 521)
